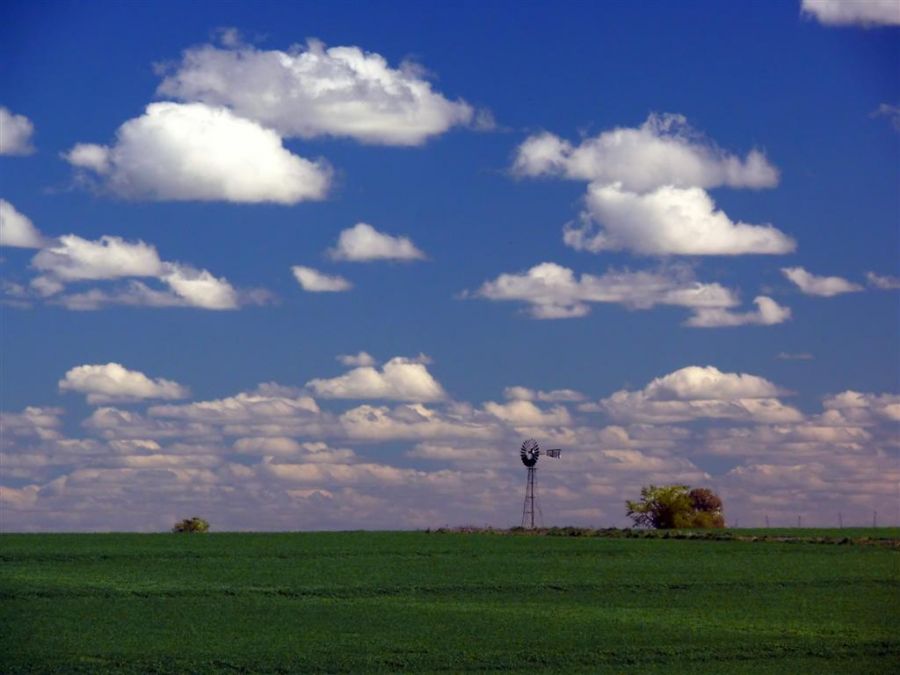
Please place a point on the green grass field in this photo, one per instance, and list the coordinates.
(413, 602)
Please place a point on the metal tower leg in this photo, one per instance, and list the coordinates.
(528, 509)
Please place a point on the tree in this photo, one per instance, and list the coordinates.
(191, 525)
(672, 506)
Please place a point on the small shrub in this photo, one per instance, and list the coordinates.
(191, 525)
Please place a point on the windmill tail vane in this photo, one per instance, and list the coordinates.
(530, 452)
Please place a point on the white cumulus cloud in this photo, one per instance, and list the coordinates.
(853, 12)
(663, 151)
(697, 392)
(15, 133)
(199, 288)
(694, 383)
(72, 259)
(16, 229)
(767, 313)
(399, 379)
(668, 220)
(196, 152)
(314, 91)
(353, 360)
(554, 292)
(316, 282)
(112, 382)
(811, 284)
(362, 243)
(647, 190)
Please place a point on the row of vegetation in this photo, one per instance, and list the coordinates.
(661, 508)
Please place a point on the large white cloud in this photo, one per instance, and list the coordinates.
(850, 12)
(663, 151)
(694, 393)
(694, 383)
(15, 133)
(112, 382)
(16, 229)
(317, 282)
(667, 220)
(554, 292)
(314, 91)
(767, 313)
(399, 379)
(362, 243)
(196, 152)
(647, 190)
(811, 284)
(72, 259)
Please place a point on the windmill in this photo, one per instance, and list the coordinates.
(530, 453)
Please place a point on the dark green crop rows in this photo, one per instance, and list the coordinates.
(360, 601)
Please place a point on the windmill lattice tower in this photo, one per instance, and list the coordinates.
(530, 453)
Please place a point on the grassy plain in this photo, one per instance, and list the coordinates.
(413, 602)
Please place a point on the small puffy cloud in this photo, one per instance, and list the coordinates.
(89, 156)
(519, 413)
(554, 292)
(112, 382)
(16, 229)
(556, 395)
(71, 259)
(853, 12)
(15, 133)
(317, 91)
(883, 282)
(698, 392)
(663, 151)
(668, 220)
(362, 243)
(399, 379)
(195, 152)
(354, 360)
(316, 282)
(199, 288)
(826, 287)
(767, 313)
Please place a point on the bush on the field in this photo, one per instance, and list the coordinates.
(672, 506)
(194, 524)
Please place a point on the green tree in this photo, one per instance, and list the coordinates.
(194, 524)
(672, 506)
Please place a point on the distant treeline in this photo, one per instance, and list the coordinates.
(885, 536)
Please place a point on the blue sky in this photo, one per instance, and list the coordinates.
(662, 236)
